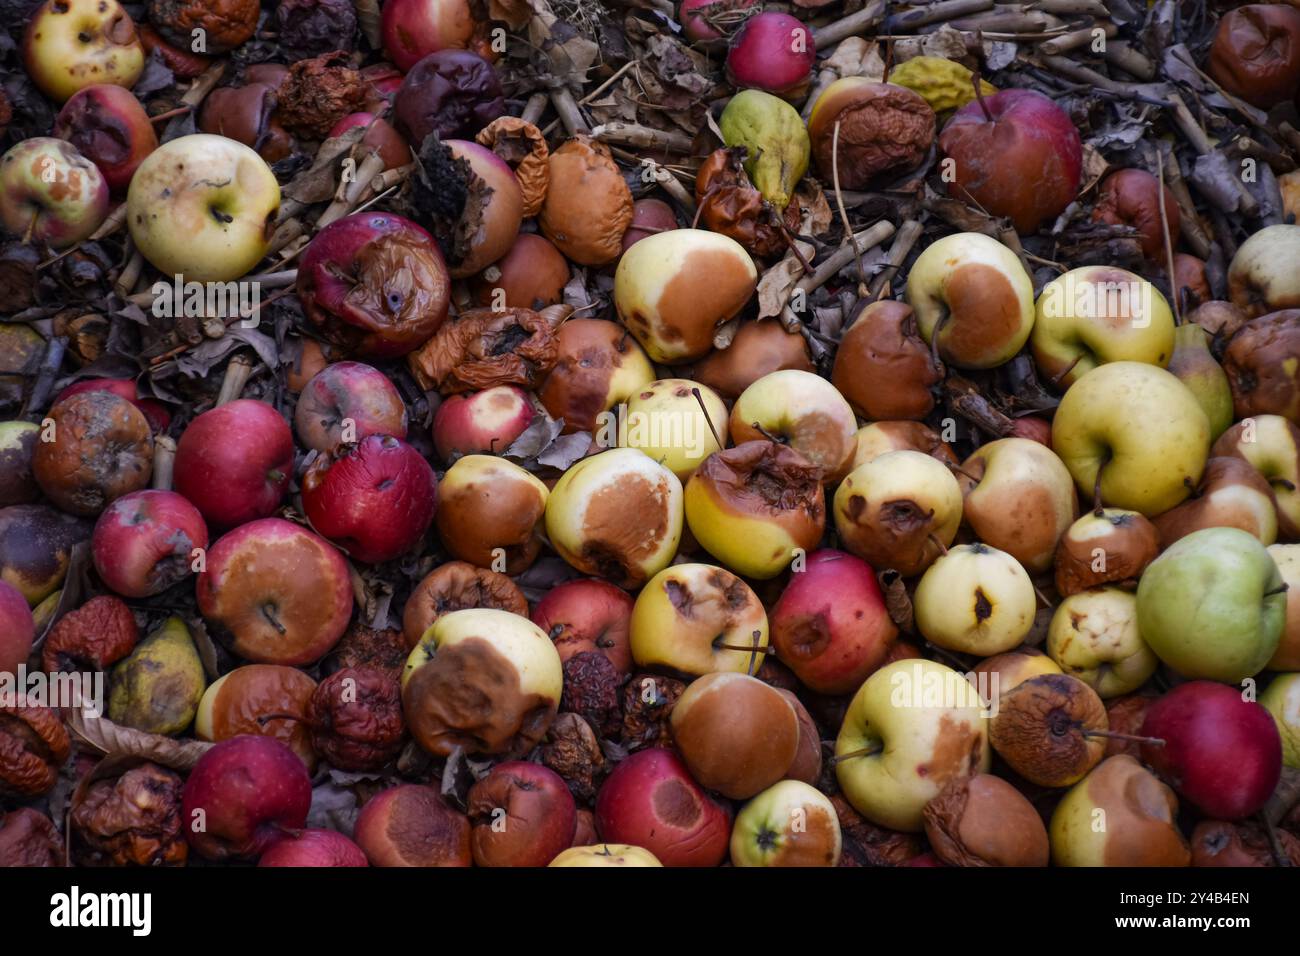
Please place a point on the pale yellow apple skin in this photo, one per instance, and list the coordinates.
(951, 275)
(1282, 700)
(750, 546)
(619, 500)
(1010, 669)
(673, 289)
(605, 854)
(715, 606)
(203, 207)
(1024, 501)
(1098, 314)
(932, 725)
(1274, 454)
(1262, 276)
(1287, 655)
(788, 824)
(665, 421)
(77, 43)
(1141, 428)
(517, 639)
(805, 410)
(1094, 636)
(976, 600)
(1118, 815)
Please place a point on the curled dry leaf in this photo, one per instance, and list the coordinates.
(113, 739)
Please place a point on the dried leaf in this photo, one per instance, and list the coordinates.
(118, 741)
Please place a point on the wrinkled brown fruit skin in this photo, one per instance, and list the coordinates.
(866, 844)
(91, 638)
(729, 204)
(412, 825)
(366, 647)
(1220, 318)
(588, 205)
(226, 23)
(1126, 715)
(883, 129)
(28, 838)
(1130, 547)
(1221, 843)
(573, 751)
(133, 820)
(355, 716)
(588, 353)
(1196, 513)
(1038, 729)
(481, 348)
(883, 367)
(33, 746)
(468, 696)
(456, 586)
(102, 449)
(1256, 53)
(522, 145)
(985, 821)
(1262, 362)
(318, 93)
(1141, 815)
(759, 347)
(1128, 197)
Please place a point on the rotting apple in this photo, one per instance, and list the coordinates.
(882, 366)
(1231, 494)
(773, 52)
(374, 499)
(278, 592)
(448, 92)
(1133, 197)
(482, 680)
(109, 127)
(36, 545)
(698, 619)
(788, 824)
(1271, 444)
(50, 193)
(154, 410)
(491, 513)
(266, 700)
(412, 825)
(831, 626)
(233, 462)
(1051, 729)
(457, 586)
(587, 615)
(521, 814)
(346, 402)
(1261, 277)
(500, 214)
(1106, 545)
(17, 447)
(241, 796)
(599, 366)
(203, 207)
(983, 820)
(802, 410)
(532, 274)
(617, 515)
(71, 44)
(313, 847)
(975, 599)
(1282, 700)
(147, 541)
(99, 448)
(481, 423)
(677, 422)
(758, 348)
(876, 438)
(1094, 636)
(17, 629)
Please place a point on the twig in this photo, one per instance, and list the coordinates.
(238, 370)
(1164, 232)
(837, 260)
(904, 240)
(164, 460)
(934, 13)
(1077, 38)
(844, 214)
(644, 137)
(567, 108)
(855, 24)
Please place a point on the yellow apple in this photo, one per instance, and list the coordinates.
(605, 854)
(1118, 815)
(803, 410)
(1282, 700)
(666, 421)
(976, 600)
(1094, 636)
(788, 824)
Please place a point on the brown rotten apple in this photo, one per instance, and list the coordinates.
(522, 814)
(1128, 197)
(412, 825)
(490, 513)
(754, 507)
(1109, 545)
(1231, 494)
(985, 821)
(1271, 444)
(279, 592)
(101, 449)
(268, 700)
(883, 366)
(759, 347)
(1256, 53)
(882, 128)
(598, 366)
(1262, 366)
(456, 586)
(484, 681)
(878, 438)
(1140, 814)
(1043, 729)
(588, 205)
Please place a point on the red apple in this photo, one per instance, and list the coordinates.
(588, 615)
(649, 217)
(651, 801)
(110, 128)
(17, 629)
(531, 275)
(522, 814)
(144, 542)
(412, 29)
(281, 594)
(773, 52)
(313, 848)
(412, 825)
(1222, 753)
(380, 135)
(157, 414)
(831, 626)
(1017, 154)
(481, 423)
(241, 796)
(374, 499)
(346, 402)
(233, 462)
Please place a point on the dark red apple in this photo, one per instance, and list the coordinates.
(17, 629)
(346, 402)
(588, 615)
(651, 801)
(1222, 753)
(1017, 154)
(412, 29)
(314, 847)
(144, 542)
(773, 52)
(374, 499)
(233, 462)
(375, 283)
(110, 128)
(242, 795)
(277, 592)
(522, 814)
(481, 423)
(412, 825)
(831, 626)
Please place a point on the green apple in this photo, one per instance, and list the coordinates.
(913, 726)
(1118, 815)
(976, 600)
(1194, 366)
(1098, 314)
(1287, 559)
(1139, 429)
(1213, 605)
(1094, 636)
(788, 824)
(203, 207)
(1282, 700)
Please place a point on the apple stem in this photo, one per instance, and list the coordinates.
(979, 96)
(935, 359)
(699, 209)
(709, 421)
(163, 117)
(1097, 507)
(943, 549)
(1132, 738)
(765, 433)
(1056, 379)
(164, 460)
(1164, 232)
(964, 474)
(1043, 597)
(789, 240)
(1282, 589)
(889, 60)
(863, 752)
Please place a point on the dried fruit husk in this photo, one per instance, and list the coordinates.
(729, 204)
(130, 820)
(984, 821)
(457, 586)
(523, 147)
(482, 348)
(884, 128)
(1039, 729)
(1262, 362)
